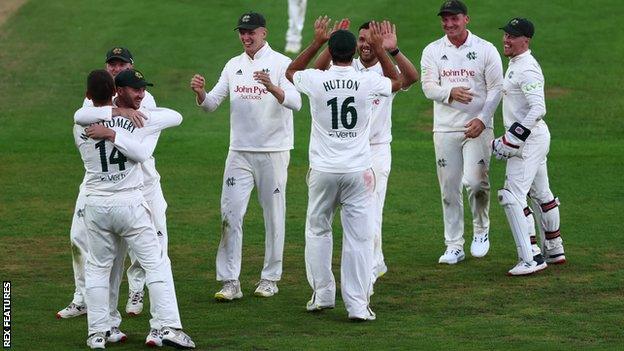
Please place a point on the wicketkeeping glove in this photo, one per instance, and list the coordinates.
(510, 144)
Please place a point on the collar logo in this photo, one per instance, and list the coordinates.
(117, 51)
(471, 55)
(245, 18)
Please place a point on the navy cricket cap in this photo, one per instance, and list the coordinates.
(119, 53)
(342, 42)
(519, 27)
(131, 78)
(250, 20)
(453, 7)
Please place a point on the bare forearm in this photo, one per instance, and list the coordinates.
(409, 73)
(323, 60)
(388, 68)
(301, 62)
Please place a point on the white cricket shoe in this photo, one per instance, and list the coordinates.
(176, 338)
(154, 338)
(266, 288)
(452, 256)
(231, 290)
(292, 47)
(116, 335)
(480, 245)
(71, 311)
(97, 341)
(526, 268)
(554, 251)
(369, 315)
(134, 306)
(314, 305)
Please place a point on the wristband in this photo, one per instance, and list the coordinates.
(394, 52)
(519, 131)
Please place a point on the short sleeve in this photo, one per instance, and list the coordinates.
(380, 85)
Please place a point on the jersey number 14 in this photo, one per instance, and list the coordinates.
(115, 157)
(345, 110)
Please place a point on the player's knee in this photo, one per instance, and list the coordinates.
(507, 198)
(477, 185)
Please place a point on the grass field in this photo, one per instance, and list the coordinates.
(48, 47)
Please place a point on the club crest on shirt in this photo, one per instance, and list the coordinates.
(471, 55)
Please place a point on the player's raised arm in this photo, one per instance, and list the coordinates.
(408, 72)
(376, 42)
(321, 36)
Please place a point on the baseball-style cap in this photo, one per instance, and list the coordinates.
(453, 7)
(519, 27)
(131, 78)
(250, 20)
(342, 41)
(119, 53)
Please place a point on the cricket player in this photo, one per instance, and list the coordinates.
(341, 103)
(116, 211)
(151, 191)
(296, 18)
(463, 75)
(381, 123)
(525, 145)
(117, 60)
(261, 136)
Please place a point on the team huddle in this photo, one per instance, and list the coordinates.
(121, 209)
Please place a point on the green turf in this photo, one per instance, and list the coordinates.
(47, 49)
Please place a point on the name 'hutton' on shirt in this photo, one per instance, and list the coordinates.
(341, 84)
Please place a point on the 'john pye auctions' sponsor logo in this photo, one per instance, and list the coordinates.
(458, 75)
(250, 92)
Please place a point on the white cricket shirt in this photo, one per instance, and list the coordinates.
(381, 123)
(475, 64)
(151, 177)
(523, 92)
(258, 122)
(341, 104)
(157, 120)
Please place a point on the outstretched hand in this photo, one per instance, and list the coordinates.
(321, 34)
(388, 33)
(375, 37)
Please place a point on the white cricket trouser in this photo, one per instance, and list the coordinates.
(354, 193)
(464, 162)
(382, 160)
(521, 172)
(296, 18)
(80, 252)
(136, 275)
(109, 223)
(268, 171)
(158, 208)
